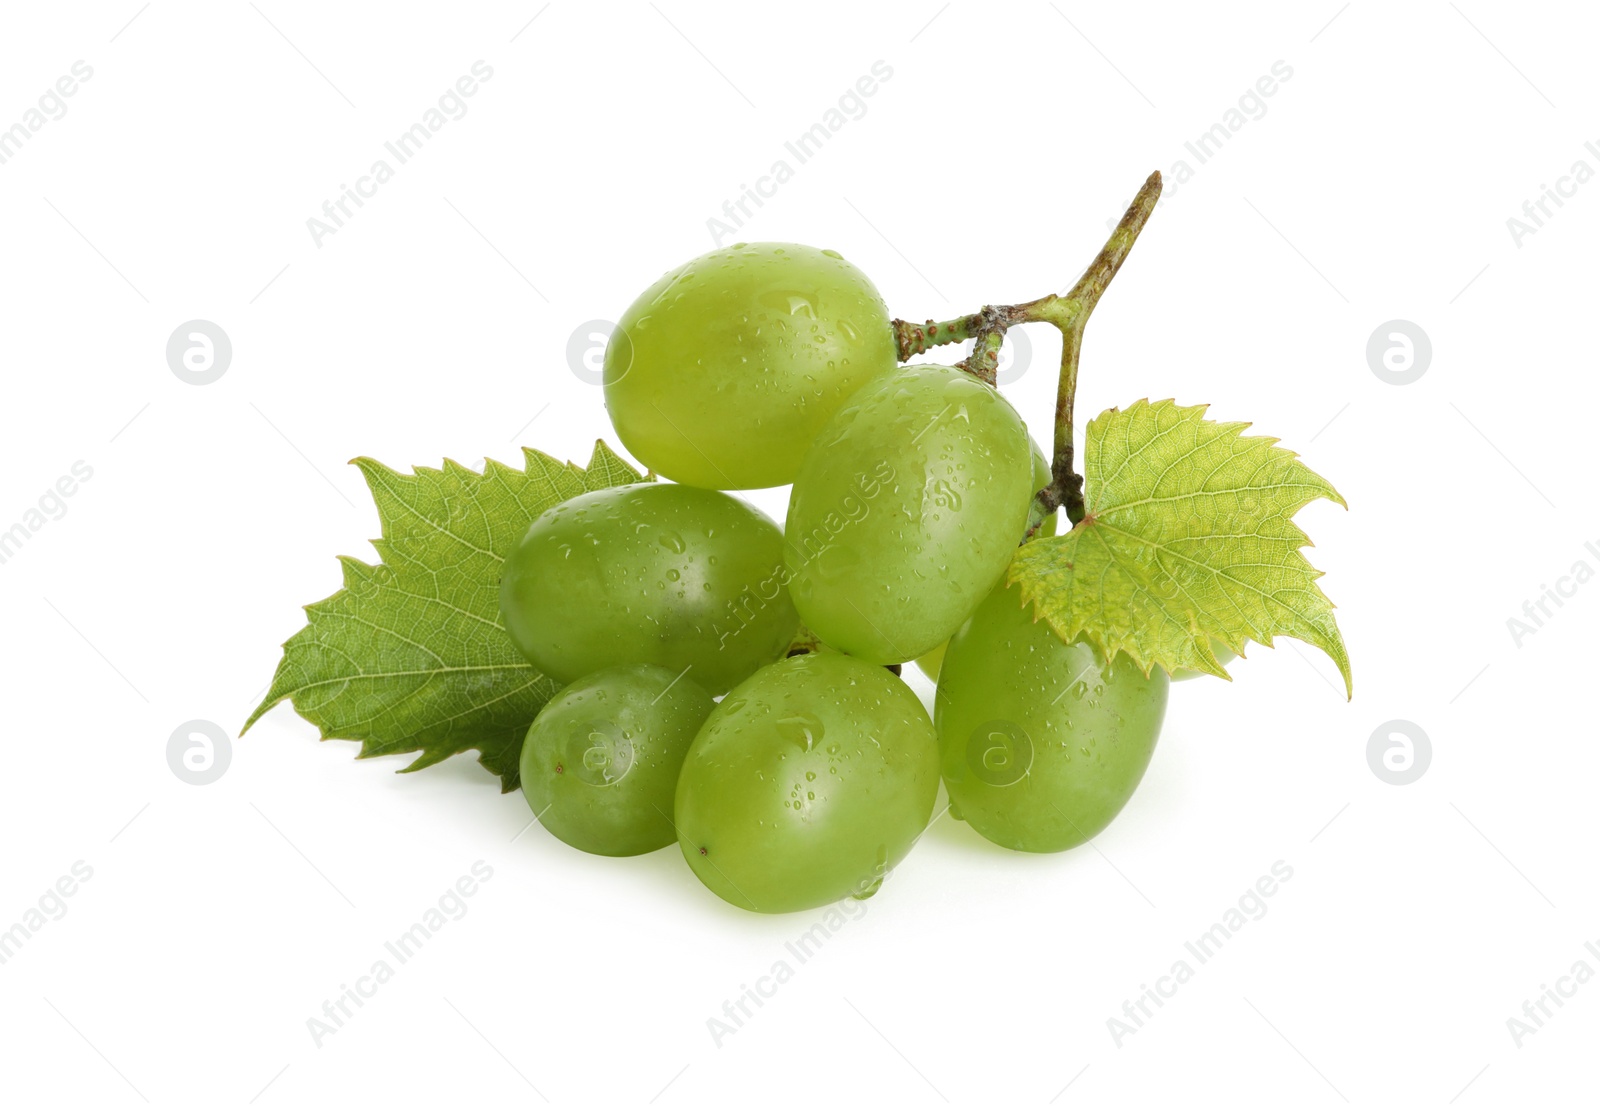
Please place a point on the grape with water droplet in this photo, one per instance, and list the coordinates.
(906, 511)
(807, 784)
(1041, 743)
(600, 763)
(723, 371)
(686, 578)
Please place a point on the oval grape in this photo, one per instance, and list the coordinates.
(686, 578)
(723, 371)
(600, 763)
(906, 511)
(807, 784)
(1041, 744)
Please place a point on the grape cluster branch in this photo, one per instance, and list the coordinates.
(914, 338)
(1069, 314)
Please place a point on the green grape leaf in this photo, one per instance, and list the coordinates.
(411, 655)
(1188, 539)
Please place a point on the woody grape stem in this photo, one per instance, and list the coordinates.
(1069, 314)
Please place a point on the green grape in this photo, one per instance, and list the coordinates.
(930, 661)
(808, 783)
(723, 371)
(906, 512)
(686, 578)
(1041, 744)
(600, 763)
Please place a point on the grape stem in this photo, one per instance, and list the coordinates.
(1069, 314)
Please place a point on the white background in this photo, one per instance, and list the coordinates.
(1377, 186)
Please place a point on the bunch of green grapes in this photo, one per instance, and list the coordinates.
(767, 364)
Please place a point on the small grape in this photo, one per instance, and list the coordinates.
(600, 762)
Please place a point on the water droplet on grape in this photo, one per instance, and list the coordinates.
(869, 890)
(802, 729)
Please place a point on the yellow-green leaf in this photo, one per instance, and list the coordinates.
(1188, 537)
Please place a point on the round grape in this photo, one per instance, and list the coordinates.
(723, 371)
(600, 762)
(686, 578)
